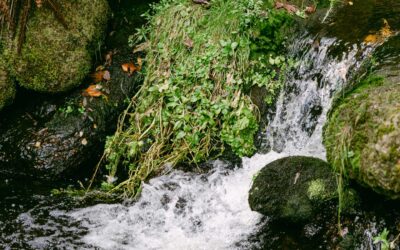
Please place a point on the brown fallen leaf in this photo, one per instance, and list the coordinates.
(310, 9)
(93, 90)
(101, 75)
(97, 76)
(384, 33)
(129, 68)
(108, 58)
(279, 5)
(188, 43)
(139, 63)
(386, 30)
(107, 75)
(288, 7)
(372, 38)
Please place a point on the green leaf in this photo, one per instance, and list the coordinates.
(180, 135)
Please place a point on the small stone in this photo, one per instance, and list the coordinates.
(38, 144)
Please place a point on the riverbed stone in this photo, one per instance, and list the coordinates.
(362, 135)
(293, 188)
(54, 58)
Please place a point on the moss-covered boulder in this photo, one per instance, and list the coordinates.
(7, 88)
(362, 136)
(54, 59)
(293, 188)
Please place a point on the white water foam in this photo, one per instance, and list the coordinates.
(181, 211)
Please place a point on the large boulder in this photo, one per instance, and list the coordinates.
(55, 59)
(362, 136)
(293, 188)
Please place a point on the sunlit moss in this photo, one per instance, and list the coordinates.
(55, 59)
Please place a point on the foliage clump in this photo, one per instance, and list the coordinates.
(200, 64)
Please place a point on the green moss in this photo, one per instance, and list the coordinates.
(316, 190)
(362, 136)
(7, 87)
(55, 59)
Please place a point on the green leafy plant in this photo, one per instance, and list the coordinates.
(200, 64)
(382, 239)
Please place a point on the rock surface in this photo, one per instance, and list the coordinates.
(55, 59)
(362, 136)
(293, 188)
(58, 137)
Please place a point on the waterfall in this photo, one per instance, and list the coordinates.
(182, 210)
(210, 211)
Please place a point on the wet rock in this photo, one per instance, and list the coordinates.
(362, 135)
(55, 59)
(59, 137)
(293, 189)
(310, 113)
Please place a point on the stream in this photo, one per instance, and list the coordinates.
(183, 210)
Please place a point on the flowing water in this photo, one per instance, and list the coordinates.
(210, 211)
(182, 210)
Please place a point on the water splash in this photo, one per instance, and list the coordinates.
(180, 211)
(296, 126)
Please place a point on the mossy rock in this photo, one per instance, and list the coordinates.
(362, 136)
(293, 188)
(54, 59)
(7, 87)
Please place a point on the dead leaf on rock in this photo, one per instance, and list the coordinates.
(101, 75)
(93, 91)
(97, 76)
(107, 75)
(373, 38)
(128, 68)
(384, 33)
